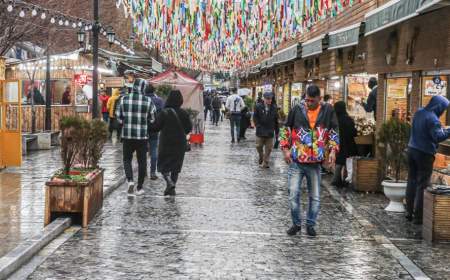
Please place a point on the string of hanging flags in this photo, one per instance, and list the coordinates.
(223, 35)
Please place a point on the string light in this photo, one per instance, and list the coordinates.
(43, 16)
(52, 20)
(34, 12)
(66, 23)
(9, 8)
(74, 25)
(22, 13)
(60, 22)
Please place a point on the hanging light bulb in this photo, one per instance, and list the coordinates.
(43, 15)
(80, 24)
(60, 22)
(52, 20)
(74, 25)
(34, 12)
(22, 13)
(66, 23)
(9, 8)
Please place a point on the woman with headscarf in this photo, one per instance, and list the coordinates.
(347, 145)
(174, 124)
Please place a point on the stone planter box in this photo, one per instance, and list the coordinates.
(81, 201)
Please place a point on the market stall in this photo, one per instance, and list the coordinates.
(192, 92)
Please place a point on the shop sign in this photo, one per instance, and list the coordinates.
(396, 88)
(82, 79)
(287, 54)
(345, 37)
(391, 13)
(313, 46)
(428, 5)
(435, 86)
(2, 69)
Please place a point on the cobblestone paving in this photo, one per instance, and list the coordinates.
(227, 221)
(22, 192)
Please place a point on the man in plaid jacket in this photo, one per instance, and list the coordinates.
(135, 112)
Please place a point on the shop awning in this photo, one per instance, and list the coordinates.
(313, 46)
(389, 14)
(345, 37)
(287, 54)
(429, 5)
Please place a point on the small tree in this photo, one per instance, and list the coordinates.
(394, 137)
(71, 135)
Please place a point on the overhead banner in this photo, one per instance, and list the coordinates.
(345, 37)
(390, 14)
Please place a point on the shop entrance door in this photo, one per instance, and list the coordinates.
(10, 125)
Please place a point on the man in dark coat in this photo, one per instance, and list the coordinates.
(347, 148)
(174, 124)
(426, 134)
(153, 137)
(371, 105)
(216, 106)
(207, 103)
(266, 122)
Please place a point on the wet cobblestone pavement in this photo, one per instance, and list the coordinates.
(22, 192)
(228, 221)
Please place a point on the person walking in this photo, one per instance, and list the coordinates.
(246, 117)
(266, 122)
(207, 103)
(347, 145)
(174, 124)
(153, 137)
(371, 104)
(104, 101)
(66, 98)
(234, 105)
(426, 134)
(112, 106)
(216, 106)
(310, 133)
(135, 112)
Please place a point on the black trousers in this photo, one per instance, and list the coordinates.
(216, 116)
(419, 178)
(140, 147)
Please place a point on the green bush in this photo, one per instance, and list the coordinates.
(394, 137)
(163, 91)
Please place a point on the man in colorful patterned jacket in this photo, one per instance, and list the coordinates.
(309, 137)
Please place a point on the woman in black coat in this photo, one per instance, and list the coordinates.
(347, 145)
(174, 124)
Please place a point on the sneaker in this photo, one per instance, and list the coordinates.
(311, 231)
(239, 140)
(153, 177)
(140, 191)
(260, 161)
(293, 230)
(130, 188)
(265, 165)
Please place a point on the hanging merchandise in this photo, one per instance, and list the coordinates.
(224, 35)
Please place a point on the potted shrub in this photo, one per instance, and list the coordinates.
(394, 137)
(76, 190)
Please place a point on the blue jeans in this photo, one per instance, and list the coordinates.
(235, 121)
(105, 117)
(153, 143)
(296, 173)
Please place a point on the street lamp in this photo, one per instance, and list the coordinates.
(81, 36)
(111, 35)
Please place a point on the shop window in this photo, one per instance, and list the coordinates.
(296, 93)
(334, 89)
(397, 98)
(57, 88)
(431, 86)
(286, 105)
(357, 93)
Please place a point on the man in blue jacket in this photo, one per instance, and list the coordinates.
(426, 134)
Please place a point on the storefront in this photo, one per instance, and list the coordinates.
(357, 92)
(398, 96)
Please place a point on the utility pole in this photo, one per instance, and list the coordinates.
(48, 95)
(95, 31)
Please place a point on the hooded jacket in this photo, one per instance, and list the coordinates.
(112, 103)
(427, 131)
(306, 144)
